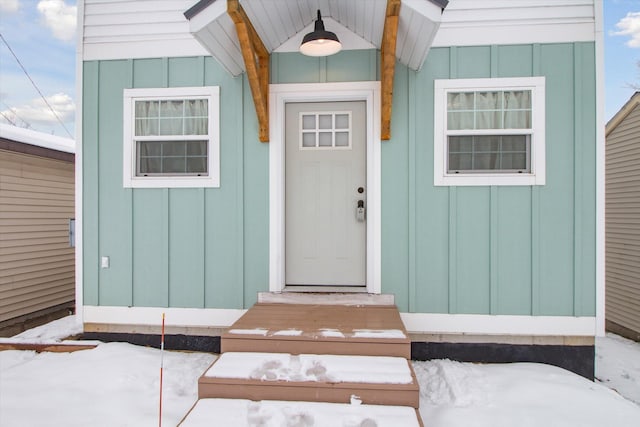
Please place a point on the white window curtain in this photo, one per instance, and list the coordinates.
(489, 110)
(173, 117)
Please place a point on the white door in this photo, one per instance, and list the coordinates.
(325, 175)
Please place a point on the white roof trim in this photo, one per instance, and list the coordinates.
(282, 25)
(39, 139)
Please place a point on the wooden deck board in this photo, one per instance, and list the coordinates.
(311, 318)
(330, 329)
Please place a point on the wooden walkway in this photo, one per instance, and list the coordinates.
(319, 329)
(315, 353)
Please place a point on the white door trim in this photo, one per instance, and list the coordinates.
(279, 95)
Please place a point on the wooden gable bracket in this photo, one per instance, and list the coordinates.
(388, 63)
(256, 62)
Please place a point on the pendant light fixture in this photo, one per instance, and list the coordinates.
(320, 42)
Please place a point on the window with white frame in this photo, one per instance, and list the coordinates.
(489, 131)
(171, 137)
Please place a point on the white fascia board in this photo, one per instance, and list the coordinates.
(149, 316)
(478, 324)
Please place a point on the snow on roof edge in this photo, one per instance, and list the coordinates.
(39, 139)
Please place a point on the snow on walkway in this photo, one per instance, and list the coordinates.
(272, 413)
(117, 385)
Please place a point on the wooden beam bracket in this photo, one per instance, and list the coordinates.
(256, 61)
(388, 63)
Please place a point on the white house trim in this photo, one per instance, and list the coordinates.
(149, 316)
(78, 164)
(600, 172)
(479, 324)
(474, 23)
(416, 323)
(279, 95)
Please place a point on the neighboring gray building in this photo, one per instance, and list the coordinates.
(623, 220)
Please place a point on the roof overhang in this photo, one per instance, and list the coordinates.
(281, 26)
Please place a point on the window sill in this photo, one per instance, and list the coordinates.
(172, 182)
(488, 180)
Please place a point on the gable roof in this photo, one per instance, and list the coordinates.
(282, 24)
(626, 109)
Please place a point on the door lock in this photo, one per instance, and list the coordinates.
(360, 211)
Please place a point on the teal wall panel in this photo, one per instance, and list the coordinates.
(395, 198)
(171, 247)
(472, 218)
(511, 292)
(556, 198)
(489, 250)
(256, 206)
(432, 203)
(186, 247)
(115, 203)
(186, 71)
(296, 68)
(150, 73)
(150, 247)
(224, 233)
(514, 61)
(585, 301)
(473, 62)
(353, 65)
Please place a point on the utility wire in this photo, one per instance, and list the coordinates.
(7, 118)
(27, 124)
(36, 87)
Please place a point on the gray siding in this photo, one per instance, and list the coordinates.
(36, 263)
(623, 223)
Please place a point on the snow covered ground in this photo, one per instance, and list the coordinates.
(118, 385)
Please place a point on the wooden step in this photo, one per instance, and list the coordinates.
(319, 329)
(375, 380)
(240, 413)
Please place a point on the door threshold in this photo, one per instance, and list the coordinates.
(326, 289)
(291, 295)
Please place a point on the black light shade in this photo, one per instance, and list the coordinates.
(320, 42)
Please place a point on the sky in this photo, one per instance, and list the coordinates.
(41, 33)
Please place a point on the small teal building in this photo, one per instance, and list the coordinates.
(465, 178)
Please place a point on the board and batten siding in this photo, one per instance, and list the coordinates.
(623, 222)
(523, 250)
(37, 264)
(178, 247)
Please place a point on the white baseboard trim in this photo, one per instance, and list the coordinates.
(415, 323)
(174, 317)
(498, 324)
